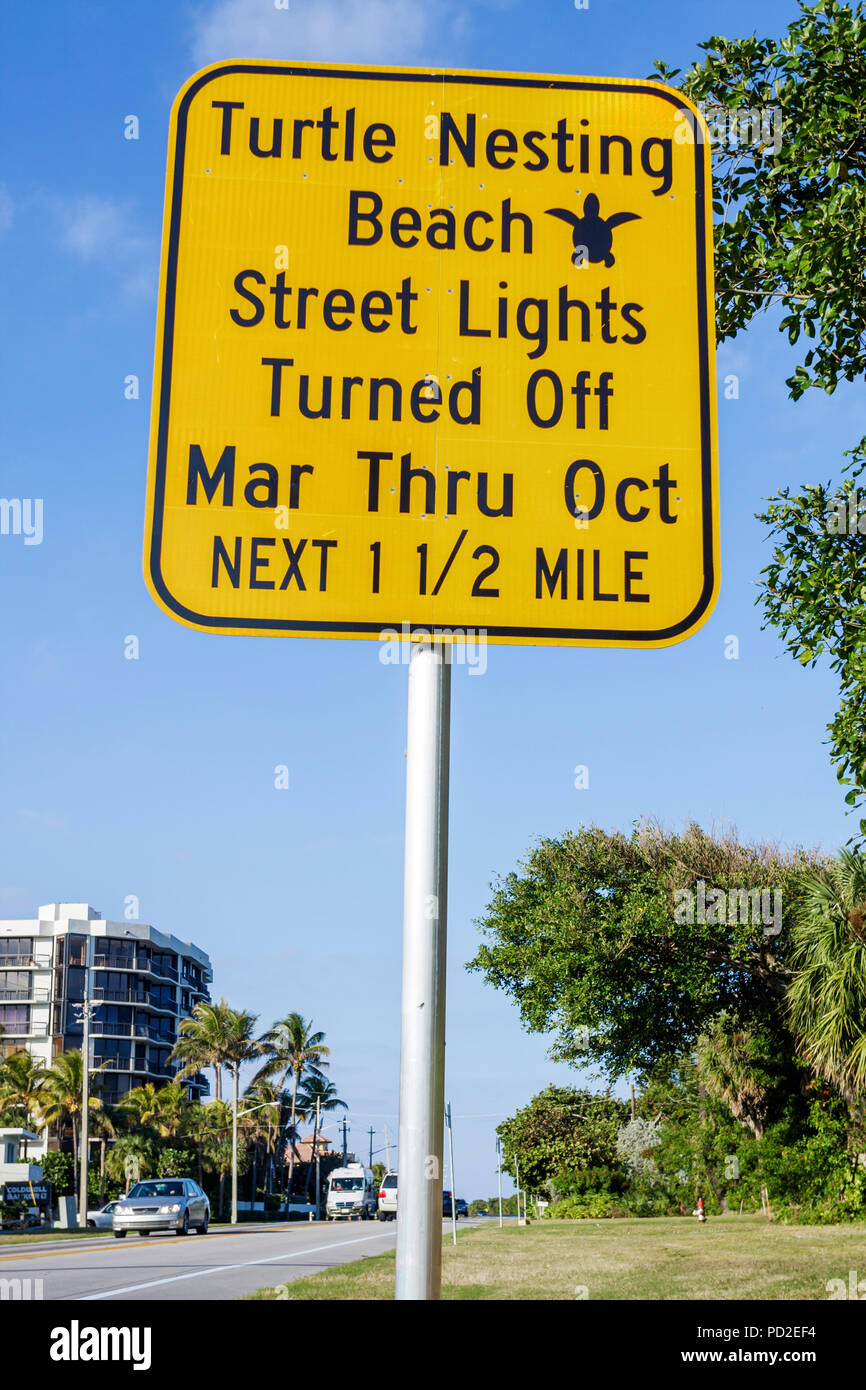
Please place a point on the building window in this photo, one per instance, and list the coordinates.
(15, 947)
(15, 984)
(14, 1018)
(77, 949)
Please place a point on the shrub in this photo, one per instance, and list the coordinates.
(592, 1206)
(59, 1169)
(175, 1163)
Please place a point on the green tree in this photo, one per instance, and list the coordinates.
(732, 1065)
(827, 998)
(295, 1050)
(60, 1094)
(792, 213)
(218, 1147)
(59, 1169)
(813, 593)
(562, 1133)
(317, 1096)
(591, 941)
(174, 1163)
(203, 1040)
(196, 1128)
(157, 1108)
(142, 1147)
(21, 1080)
(791, 224)
(267, 1104)
(102, 1124)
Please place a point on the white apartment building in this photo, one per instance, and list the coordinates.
(142, 982)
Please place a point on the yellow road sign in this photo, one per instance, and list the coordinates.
(436, 349)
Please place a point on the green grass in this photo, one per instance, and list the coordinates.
(656, 1259)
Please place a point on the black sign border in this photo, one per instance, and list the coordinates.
(274, 626)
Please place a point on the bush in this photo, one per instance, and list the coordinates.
(593, 1206)
(175, 1163)
(59, 1169)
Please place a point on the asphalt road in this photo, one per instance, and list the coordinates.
(221, 1265)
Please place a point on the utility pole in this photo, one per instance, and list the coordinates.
(318, 1146)
(499, 1174)
(83, 1014)
(345, 1144)
(451, 1165)
(387, 1150)
(371, 1147)
(517, 1180)
(422, 1039)
(632, 1100)
(235, 1070)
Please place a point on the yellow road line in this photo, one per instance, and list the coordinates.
(84, 1250)
(95, 1244)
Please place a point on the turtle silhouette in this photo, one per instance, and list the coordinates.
(592, 235)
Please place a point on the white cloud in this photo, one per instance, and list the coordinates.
(105, 230)
(363, 31)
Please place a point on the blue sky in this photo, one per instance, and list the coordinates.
(155, 777)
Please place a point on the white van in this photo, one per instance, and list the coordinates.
(351, 1194)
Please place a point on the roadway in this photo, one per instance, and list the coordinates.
(225, 1264)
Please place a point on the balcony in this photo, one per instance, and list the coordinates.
(24, 962)
(101, 995)
(112, 1064)
(99, 1028)
(38, 996)
(34, 1030)
(120, 996)
(152, 967)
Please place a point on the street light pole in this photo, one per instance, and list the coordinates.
(499, 1173)
(235, 1070)
(318, 1131)
(422, 1042)
(451, 1165)
(83, 1012)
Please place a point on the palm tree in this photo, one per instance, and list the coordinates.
(241, 1047)
(267, 1104)
(217, 1144)
(203, 1040)
(21, 1078)
(141, 1147)
(296, 1051)
(158, 1108)
(729, 1068)
(60, 1093)
(826, 1000)
(318, 1094)
(138, 1107)
(103, 1124)
(196, 1126)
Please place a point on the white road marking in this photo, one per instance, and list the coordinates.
(221, 1269)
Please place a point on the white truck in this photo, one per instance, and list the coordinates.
(352, 1194)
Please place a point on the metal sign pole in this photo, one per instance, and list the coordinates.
(451, 1171)
(422, 1046)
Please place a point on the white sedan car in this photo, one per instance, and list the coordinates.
(102, 1217)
